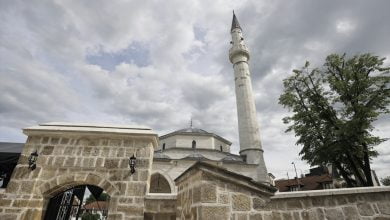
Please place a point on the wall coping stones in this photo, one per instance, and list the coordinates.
(330, 192)
(53, 126)
(228, 176)
(77, 128)
(95, 125)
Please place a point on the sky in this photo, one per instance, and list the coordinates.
(160, 63)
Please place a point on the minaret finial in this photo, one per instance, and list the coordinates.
(191, 122)
(235, 23)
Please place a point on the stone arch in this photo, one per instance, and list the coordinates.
(164, 181)
(62, 182)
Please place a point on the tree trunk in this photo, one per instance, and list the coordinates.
(348, 180)
(367, 168)
(355, 170)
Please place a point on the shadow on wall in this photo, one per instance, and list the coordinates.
(159, 184)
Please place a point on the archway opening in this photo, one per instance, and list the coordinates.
(159, 184)
(80, 202)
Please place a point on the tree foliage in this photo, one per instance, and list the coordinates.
(386, 181)
(90, 216)
(334, 108)
(102, 197)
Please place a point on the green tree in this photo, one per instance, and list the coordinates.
(333, 111)
(386, 181)
(90, 216)
(102, 197)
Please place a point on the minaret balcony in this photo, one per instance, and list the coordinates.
(238, 53)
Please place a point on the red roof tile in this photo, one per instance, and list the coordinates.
(96, 205)
(306, 183)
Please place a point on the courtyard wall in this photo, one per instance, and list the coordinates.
(354, 203)
(208, 193)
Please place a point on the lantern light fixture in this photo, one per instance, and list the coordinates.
(32, 160)
(132, 163)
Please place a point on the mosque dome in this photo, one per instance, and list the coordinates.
(192, 130)
(194, 138)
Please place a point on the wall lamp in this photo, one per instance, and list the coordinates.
(32, 160)
(132, 163)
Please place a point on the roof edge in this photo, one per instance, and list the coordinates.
(192, 134)
(222, 173)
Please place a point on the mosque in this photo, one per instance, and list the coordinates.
(174, 153)
(186, 174)
(178, 150)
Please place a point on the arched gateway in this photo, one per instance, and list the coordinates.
(78, 202)
(77, 195)
(74, 161)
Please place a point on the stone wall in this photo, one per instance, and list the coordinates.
(207, 192)
(356, 203)
(160, 207)
(68, 158)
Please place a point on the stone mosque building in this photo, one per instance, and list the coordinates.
(179, 150)
(187, 174)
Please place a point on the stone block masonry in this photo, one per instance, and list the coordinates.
(71, 155)
(355, 203)
(209, 192)
(160, 207)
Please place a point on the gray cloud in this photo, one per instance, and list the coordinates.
(70, 61)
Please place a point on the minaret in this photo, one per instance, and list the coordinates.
(248, 127)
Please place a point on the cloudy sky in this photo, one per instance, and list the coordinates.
(159, 63)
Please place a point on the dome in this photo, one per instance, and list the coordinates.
(195, 132)
(192, 130)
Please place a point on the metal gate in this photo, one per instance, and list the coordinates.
(68, 204)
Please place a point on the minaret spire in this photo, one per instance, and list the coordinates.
(248, 127)
(235, 23)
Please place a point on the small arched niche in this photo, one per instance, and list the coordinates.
(159, 184)
(193, 144)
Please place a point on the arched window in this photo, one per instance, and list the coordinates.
(194, 144)
(220, 147)
(158, 184)
(163, 147)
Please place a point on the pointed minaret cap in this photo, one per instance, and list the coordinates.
(235, 23)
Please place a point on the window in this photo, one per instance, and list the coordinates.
(194, 144)
(221, 148)
(293, 188)
(163, 147)
(327, 186)
(159, 184)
